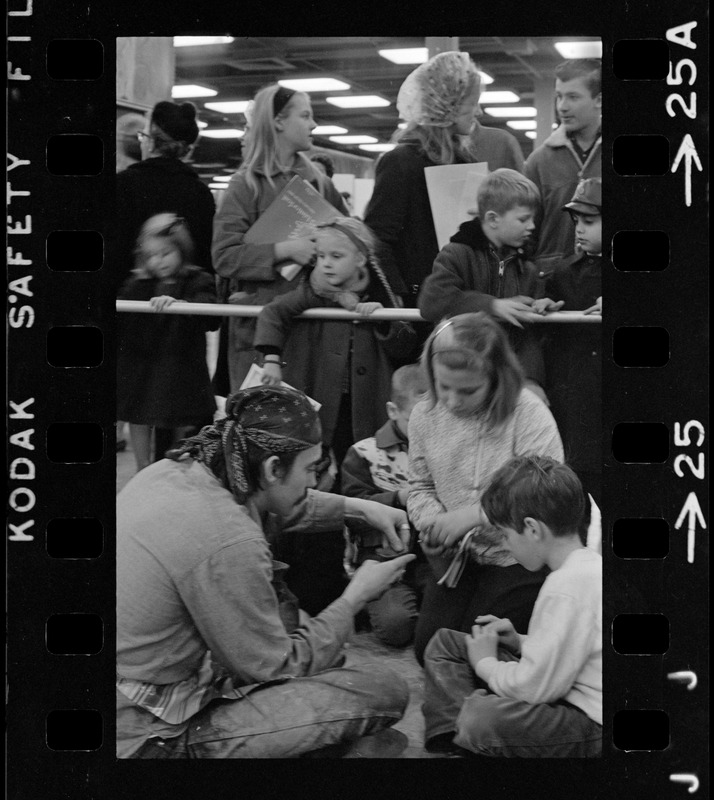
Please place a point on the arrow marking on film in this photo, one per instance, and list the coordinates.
(692, 780)
(688, 152)
(685, 676)
(693, 513)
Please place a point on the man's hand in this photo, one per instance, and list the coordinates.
(392, 522)
(482, 643)
(373, 578)
(161, 302)
(545, 305)
(515, 309)
(507, 635)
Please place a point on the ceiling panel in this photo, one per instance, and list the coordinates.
(237, 70)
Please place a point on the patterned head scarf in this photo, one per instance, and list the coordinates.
(275, 418)
(434, 92)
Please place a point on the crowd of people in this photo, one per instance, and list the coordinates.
(436, 482)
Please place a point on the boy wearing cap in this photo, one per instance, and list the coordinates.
(573, 354)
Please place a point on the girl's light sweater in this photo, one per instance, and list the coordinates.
(452, 458)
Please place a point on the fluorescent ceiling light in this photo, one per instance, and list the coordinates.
(358, 101)
(579, 49)
(221, 178)
(201, 123)
(499, 97)
(192, 41)
(325, 130)
(192, 90)
(531, 134)
(402, 125)
(315, 84)
(522, 124)
(485, 77)
(406, 55)
(222, 133)
(511, 111)
(216, 186)
(377, 148)
(229, 106)
(357, 139)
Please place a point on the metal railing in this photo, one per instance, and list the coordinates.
(388, 314)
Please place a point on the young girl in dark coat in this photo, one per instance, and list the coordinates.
(162, 374)
(344, 366)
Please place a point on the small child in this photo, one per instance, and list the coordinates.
(484, 268)
(500, 693)
(573, 353)
(345, 367)
(162, 374)
(376, 468)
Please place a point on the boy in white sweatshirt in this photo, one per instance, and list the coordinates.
(496, 692)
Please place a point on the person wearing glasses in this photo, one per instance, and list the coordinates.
(162, 182)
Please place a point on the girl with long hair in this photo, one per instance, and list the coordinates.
(281, 124)
(477, 416)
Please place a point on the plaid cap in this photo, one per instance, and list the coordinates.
(587, 198)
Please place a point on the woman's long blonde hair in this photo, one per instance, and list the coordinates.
(262, 149)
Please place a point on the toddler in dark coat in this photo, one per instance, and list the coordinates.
(162, 374)
(344, 366)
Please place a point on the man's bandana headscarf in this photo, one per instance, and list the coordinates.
(433, 93)
(274, 418)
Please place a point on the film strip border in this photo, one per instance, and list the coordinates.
(61, 406)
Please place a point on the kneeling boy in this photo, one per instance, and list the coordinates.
(500, 693)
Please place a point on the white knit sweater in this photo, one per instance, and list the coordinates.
(452, 458)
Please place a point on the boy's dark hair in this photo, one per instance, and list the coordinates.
(407, 381)
(590, 69)
(326, 162)
(538, 487)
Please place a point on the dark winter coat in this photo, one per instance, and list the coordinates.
(155, 186)
(319, 353)
(468, 276)
(399, 213)
(249, 271)
(162, 375)
(573, 359)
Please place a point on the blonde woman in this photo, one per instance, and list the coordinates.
(281, 125)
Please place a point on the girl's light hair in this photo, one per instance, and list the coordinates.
(476, 342)
(171, 228)
(354, 228)
(262, 147)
